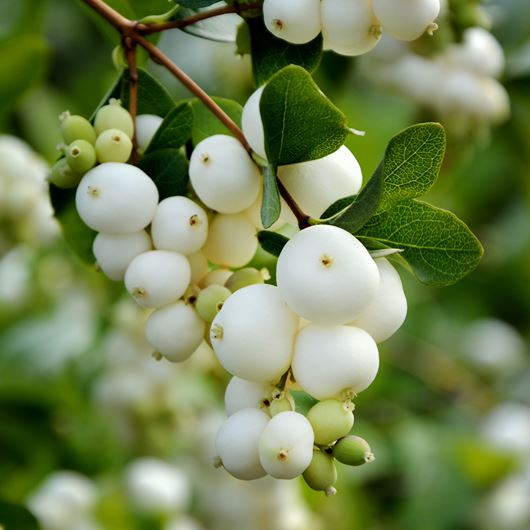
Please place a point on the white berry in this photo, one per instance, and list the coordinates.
(198, 267)
(242, 394)
(146, 127)
(216, 277)
(252, 124)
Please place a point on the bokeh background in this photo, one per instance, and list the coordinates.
(95, 434)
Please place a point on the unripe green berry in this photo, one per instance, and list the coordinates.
(76, 128)
(63, 176)
(331, 419)
(81, 156)
(281, 402)
(114, 116)
(353, 451)
(210, 301)
(321, 473)
(246, 276)
(113, 145)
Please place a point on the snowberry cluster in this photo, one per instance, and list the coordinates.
(349, 27)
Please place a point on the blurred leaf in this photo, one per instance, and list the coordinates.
(15, 517)
(142, 8)
(272, 242)
(206, 124)
(300, 123)
(175, 130)
(270, 54)
(169, 170)
(271, 205)
(113, 92)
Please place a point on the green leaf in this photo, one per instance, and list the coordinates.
(300, 123)
(113, 92)
(175, 130)
(271, 205)
(15, 517)
(196, 4)
(338, 206)
(169, 170)
(272, 242)
(270, 54)
(206, 124)
(439, 247)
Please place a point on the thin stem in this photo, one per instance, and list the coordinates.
(301, 217)
(130, 52)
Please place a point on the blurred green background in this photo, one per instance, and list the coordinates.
(448, 417)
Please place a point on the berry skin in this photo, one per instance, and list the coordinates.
(253, 334)
(216, 277)
(114, 116)
(116, 198)
(198, 266)
(237, 443)
(179, 224)
(157, 277)
(80, 156)
(321, 473)
(353, 451)
(113, 145)
(62, 175)
(312, 192)
(242, 394)
(223, 175)
(210, 301)
(252, 124)
(331, 419)
(75, 127)
(332, 361)
(295, 21)
(114, 252)
(146, 127)
(326, 275)
(175, 331)
(245, 277)
(286, 445)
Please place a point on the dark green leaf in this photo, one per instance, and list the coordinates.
(300, 123)
(196, 4)
(15, 517)
(270, 54)
(439, 247)
(206, 124)
(272, 242)
(243, 42)
(169, 170)
(113, 92)
(271, 205)
(153, 7)
(338, 206)
(175, 130)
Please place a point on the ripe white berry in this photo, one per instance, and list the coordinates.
(329, 360)
(326, 275)
(254, 332)
(317, 184)
(242, 394)
(116, 198)
(157, 277)
(286, 445)
(231, 240)
(175, 331)
(384, 316)
(216, 277)
(406, 19)
(237, 443)
(295, 21)
(252, 124)
(179, 224)
(114, 252)
(146, 127)
(349, 28)
(198, 266)
(223, 175)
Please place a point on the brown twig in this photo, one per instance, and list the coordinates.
(301, 217)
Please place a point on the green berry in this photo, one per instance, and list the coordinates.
(210, 301)
(114, 116)
(353, 451)
(113, 145)
(331, 419)
(321, 473)
(80, 156)
(76, 128)
(281, 402)
(245, 277)
(62, 175)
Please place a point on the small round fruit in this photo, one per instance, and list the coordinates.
(75, 127)
(146, 127)
(286, 445)
(326, 275)
(114, 116)
(242, 394)
(179, 224)
(245, 277)
(113, 145)
(210, 300)
(216, 277)
(80, 156)
(331, 360)
(62, 175)
(116, 198)
(353, 451)
(175, 331)
(321, 473)
(253, 334)
(237, 443)
(114, 252)
(281, 402)
(157, 277)
(198, 266)
(232, 240)
(331, 419)
(384, 316)
(295, 21)
(223, 175)
(252, 124)
(313, 193)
